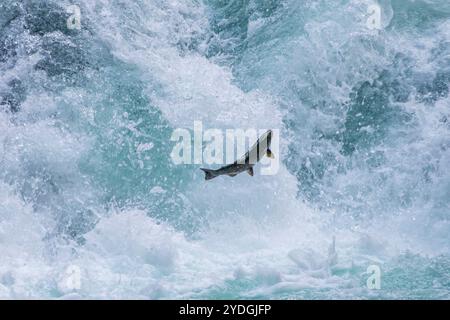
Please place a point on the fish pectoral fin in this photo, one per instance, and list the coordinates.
(251, 172)
(269, 154)
(232, 174)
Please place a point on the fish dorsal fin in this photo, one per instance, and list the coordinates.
(250, 171)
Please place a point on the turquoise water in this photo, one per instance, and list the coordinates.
(87, 182)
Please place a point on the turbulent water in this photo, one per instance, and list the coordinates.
(88, 187)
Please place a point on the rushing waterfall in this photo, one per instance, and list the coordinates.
(91, 92)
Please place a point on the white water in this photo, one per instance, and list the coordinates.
(76, 187)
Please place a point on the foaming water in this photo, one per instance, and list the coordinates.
(88, 186)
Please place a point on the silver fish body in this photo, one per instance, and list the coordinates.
(245, 164)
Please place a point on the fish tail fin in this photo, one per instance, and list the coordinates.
(209, 174)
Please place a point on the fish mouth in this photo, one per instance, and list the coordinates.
(269, 137)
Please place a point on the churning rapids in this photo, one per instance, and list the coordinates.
(88, 189)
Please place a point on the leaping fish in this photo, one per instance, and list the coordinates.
(247, 162)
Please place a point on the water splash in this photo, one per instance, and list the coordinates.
(86, 179)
